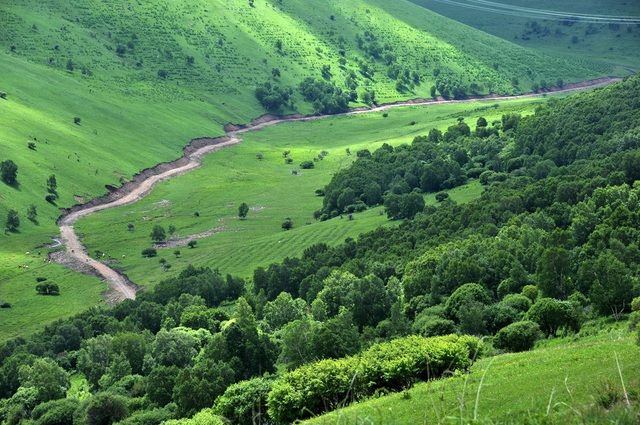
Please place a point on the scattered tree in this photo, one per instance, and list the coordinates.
(158, 234)
(243, 210)
(8, 171)
(287, 224)
(13, 221)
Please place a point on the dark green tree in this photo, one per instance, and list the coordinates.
(158, 234)
(52, 184)
(13, 221)
(243, 210)
(8, 171)
(554, 273)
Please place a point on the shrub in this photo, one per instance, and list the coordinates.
(287, 224)
(635, 304)
(55, 412)
(441, 196)
(531, 292)
(149, 252)
(204, 417)
(245, 402)
(4, 304)
(77, 120)
(8, 171)
(51, 198)
(518, 336)
(149, 417)
(553, 315)
(320, 386)
(467, 293)
(307, 165)
(273, 97)
(517, 302)
(634, 320)
(192, 244)
(433, 326)
(105, 408)
(45, 288)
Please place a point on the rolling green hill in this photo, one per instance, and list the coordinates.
(613, 46)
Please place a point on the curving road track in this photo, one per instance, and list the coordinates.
(121, 287)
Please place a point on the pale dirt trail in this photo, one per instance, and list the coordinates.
(120, 286)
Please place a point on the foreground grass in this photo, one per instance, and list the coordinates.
(272, 191)
(552, 384)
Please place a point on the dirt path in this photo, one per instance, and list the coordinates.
(121, 287)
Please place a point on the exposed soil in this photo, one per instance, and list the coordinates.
(174, 243)
(141, 184)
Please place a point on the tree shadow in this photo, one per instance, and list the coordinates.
(15, 185)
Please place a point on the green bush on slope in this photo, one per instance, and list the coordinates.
(324, 385)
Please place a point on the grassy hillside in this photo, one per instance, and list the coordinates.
(612, 46)
(272, 191)
(215, 50)
(557, 383)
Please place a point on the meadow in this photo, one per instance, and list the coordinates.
(556, 383)
(272, 191)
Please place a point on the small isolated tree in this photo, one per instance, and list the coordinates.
(518, 336)
(171, 229)
(287, 224)
(441, 196)
(32, 214)
(131, 227)
(305, 165)
(192, 244)
(13, 221)
(158, 234)
(52, 184)
(47, 288)
(243, 210)
(149, 252)
(77, 120)
(177, 253)
(8, 171)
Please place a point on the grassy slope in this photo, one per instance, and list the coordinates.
(132, 119)
(614, 48)
(234, 175)
(516, 386)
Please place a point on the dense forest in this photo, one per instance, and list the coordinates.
(552, 242)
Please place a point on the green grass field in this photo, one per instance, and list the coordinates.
(272, 191)
(613, 47)
(552, 384)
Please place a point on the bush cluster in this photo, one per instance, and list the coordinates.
(324, 385)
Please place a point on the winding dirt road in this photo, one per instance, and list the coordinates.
(121, 287)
